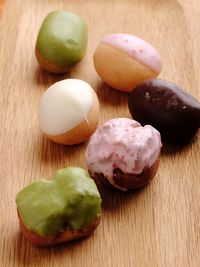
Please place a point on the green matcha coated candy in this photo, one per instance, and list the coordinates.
(70, 201)
(61, 41)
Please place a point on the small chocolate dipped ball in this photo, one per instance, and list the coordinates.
(69, 112)
(61, 42)
(65, 208)
(123, 154)
(167, 107)
(123, 61)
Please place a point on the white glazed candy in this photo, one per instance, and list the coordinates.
(64, 106)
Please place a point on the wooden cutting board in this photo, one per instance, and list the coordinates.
(156, 226)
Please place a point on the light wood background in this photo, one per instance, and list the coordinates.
(156, 226)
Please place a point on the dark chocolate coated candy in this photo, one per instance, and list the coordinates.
(167, 107)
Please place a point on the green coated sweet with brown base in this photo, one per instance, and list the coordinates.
(61, 42)
(70, 201)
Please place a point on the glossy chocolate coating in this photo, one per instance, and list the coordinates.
(167, 107)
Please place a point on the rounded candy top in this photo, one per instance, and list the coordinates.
(64, 105)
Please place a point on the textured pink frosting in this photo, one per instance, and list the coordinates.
(136, 48)
(122, 143)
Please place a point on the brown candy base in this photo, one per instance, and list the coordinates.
(60, 237)
(128, 180)
(48, 66)
(118, 69)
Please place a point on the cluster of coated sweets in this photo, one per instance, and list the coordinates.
(122, 153)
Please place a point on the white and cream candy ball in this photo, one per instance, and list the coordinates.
(69, 111)
(123, 61)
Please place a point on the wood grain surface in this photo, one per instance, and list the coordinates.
(156, 226)
(1, 5)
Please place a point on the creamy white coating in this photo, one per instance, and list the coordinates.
(122, 143)
(64, 105)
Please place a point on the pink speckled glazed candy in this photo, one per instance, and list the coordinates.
(123, 61)
(123, 154)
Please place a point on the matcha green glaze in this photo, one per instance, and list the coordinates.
(71, 200)
(62, 39)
